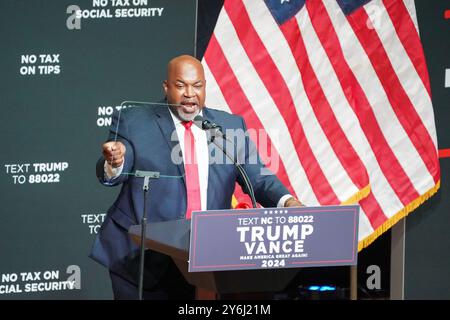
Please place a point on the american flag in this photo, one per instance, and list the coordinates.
(344, 83)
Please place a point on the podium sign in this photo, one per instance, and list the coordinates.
(269, 238)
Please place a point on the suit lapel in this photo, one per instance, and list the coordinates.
(167, 127)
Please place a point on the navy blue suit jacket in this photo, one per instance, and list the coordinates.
(148, 135)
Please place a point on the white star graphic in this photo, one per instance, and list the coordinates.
(283, 1)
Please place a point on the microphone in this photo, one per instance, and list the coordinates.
(205, 124)
(214, 128)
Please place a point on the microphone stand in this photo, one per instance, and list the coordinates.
(147, 175)
(217, 131)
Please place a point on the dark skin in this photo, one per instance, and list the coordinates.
(185, 92)
(185, 87)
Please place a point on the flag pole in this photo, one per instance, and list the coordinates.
(354, 282)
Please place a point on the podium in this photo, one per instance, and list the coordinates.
(325, 236)
(172, 239)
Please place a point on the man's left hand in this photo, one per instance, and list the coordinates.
(292, 202)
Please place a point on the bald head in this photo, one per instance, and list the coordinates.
(185, 86)
(184, 60)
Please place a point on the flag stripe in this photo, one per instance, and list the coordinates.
(404, 67)
(325, 31)
(396, 95)
(387, 160)
(263, 105)
(276, 45)
(415, 90)
(409, 37)
(411, 8)
(348, 93)
(399, 48)
(322, 109)
(372, 209)
(330, 84)
(311, 85)
(274, 83)
(365, 227)
(233, 94)
(365, 71)
(323, 65)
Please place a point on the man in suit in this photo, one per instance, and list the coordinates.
(161, 138)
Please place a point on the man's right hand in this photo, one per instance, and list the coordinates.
(114, 153)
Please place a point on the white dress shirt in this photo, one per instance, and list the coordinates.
(202, 155)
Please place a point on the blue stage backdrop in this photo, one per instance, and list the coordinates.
(65, 66)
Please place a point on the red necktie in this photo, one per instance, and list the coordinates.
(191, 170)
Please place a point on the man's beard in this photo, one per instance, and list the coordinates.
(178, 111)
